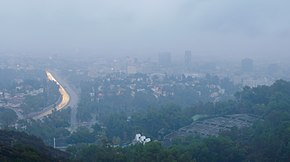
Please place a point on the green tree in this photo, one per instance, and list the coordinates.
(7, 116)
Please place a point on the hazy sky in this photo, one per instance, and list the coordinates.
(136, 27)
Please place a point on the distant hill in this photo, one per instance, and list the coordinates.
(18, 146)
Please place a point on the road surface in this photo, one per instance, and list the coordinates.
(73, 102)
(69, 98)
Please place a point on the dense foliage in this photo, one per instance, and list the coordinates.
(267, 140)
(17, 146)
(7, 117)
(108, 140)
(53, 126)
(34, 103)
(212, 149)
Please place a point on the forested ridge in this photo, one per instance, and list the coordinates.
(18, 146)
(267, 140)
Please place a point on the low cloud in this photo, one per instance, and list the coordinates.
(242, 27)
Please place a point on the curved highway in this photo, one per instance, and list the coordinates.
(68, 99)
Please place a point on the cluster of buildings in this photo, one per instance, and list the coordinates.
(157, 85)
(213, 126)
(133, 65)
(13, 98)
(246, 72)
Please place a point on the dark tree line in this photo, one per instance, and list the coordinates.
(267, 140)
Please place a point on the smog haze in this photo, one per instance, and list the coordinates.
(214, 28)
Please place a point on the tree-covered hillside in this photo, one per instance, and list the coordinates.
(267, 140)
(17, 146)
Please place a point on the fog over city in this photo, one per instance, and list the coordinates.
(240, 28)
(144, 80)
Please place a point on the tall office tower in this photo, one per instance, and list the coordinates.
(164, 59)
(187, 59)
(247, 65)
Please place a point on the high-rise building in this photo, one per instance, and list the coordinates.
(247, 65)
(187, 58)
(164, 59)
(132, 69)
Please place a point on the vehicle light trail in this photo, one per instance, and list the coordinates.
(65, 98)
